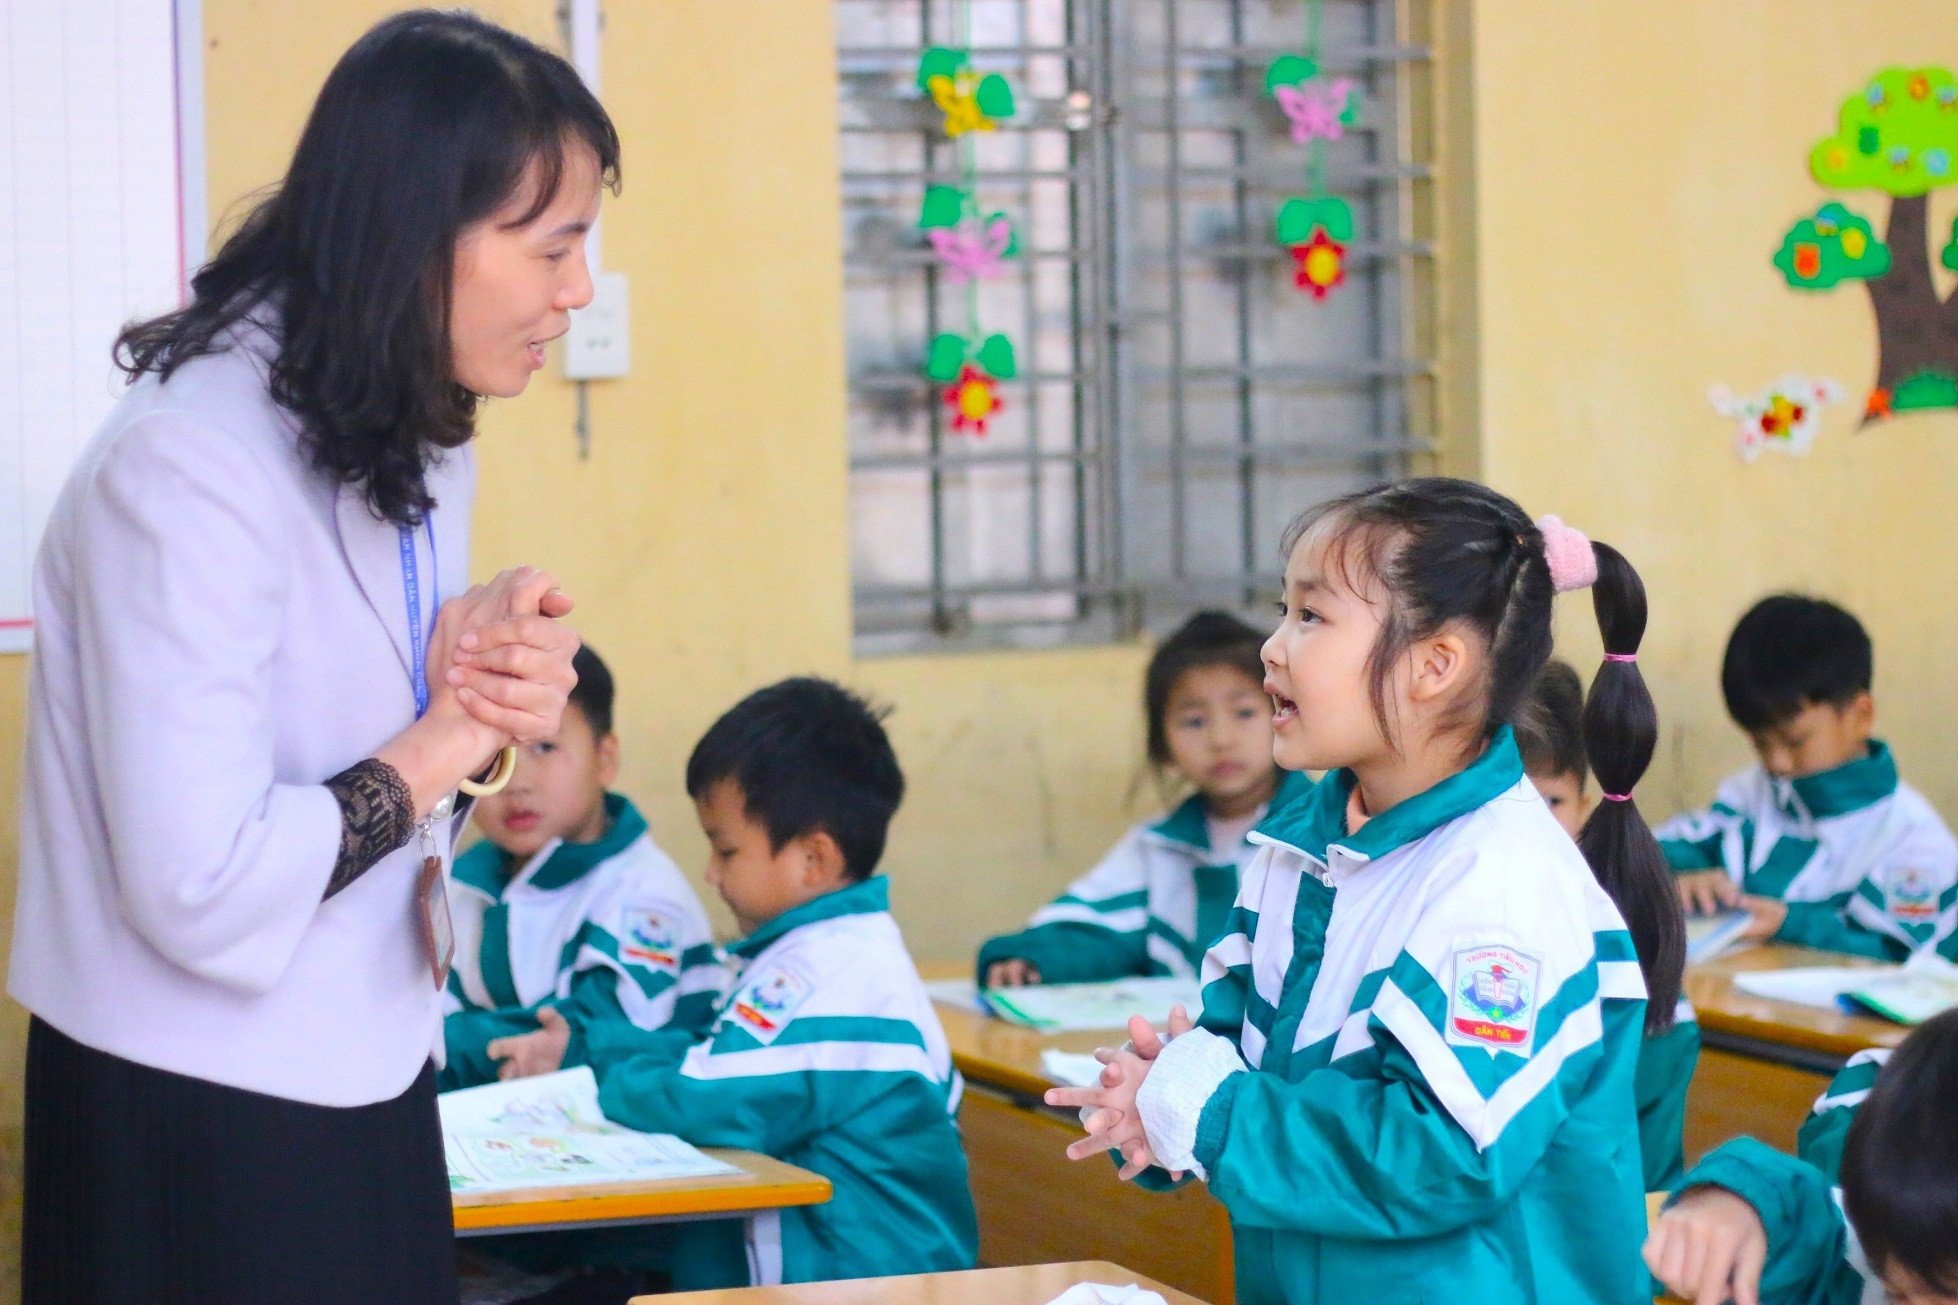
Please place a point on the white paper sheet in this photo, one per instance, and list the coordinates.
(1103, 1293)
(1072, 1007)
(1070, 1068)
(548, 1131)
(961, 994)
(1815, 985)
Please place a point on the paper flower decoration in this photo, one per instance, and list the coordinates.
(973, 398)
(1321, 264)
(969, 101)
(968, 249)
(1785, 417)
(1835, 245)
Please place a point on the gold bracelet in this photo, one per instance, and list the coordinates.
(499, 776)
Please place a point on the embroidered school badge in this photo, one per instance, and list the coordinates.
(1910, 897)
(1494, 999)
(765, 1007)
(650, 939)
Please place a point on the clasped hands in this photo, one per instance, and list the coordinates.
(1112, 1119)
(499, 658)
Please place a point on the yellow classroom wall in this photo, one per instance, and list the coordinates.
(1633, 169)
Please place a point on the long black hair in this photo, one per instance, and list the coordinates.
(1447, 551)
(428, 124)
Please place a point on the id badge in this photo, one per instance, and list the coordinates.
(437, 928)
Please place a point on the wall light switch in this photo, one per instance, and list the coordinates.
(599, 344)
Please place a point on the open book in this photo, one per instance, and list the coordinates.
(1708, 936)
(547, 1131)
(1910, 993)
(1070, 1007)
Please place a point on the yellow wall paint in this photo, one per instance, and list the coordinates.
(1636, 167)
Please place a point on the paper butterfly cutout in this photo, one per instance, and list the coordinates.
(1786, 416)
(969, 255)
(1316, 108)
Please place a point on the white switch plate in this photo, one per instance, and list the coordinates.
(599, 344)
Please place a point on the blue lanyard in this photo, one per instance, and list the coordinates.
(411, 582)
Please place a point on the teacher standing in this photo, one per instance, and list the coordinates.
(259, 684)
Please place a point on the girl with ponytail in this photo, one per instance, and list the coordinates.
(1413, 1075)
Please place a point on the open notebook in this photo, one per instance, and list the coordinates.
(547, 1131)
(1910, 993)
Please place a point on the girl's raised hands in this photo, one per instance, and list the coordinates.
(1108, 1111)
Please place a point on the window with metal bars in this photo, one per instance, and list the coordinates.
(1176, 396)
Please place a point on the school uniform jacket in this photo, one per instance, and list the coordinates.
(827, 1055)
(1813, 1254)
(608, 933)
(1862, 859)
(1150, 907)
(1440, 1015)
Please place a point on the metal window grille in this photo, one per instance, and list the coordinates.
(1178, 400)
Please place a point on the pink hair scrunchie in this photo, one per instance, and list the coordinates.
(1572, 563)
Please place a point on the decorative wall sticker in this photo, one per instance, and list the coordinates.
(1317, 225)
(968, 243)
(1898, 134)
(1784, 417)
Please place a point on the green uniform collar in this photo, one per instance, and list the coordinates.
(1316, 821)
(1189, 825)
(490, 869)
(870, 897)
(1850, 786)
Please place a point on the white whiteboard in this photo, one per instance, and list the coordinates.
(101, 211)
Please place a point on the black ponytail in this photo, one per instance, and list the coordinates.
(1621, 729)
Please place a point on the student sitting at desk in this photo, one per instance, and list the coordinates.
(1820, 842)
(1550, 735)
(567, 917)
(1160, 896)
(1869, 1212)
(828, 1055)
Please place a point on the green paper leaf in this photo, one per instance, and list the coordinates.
(1949, 254)
(946, 357)
(943, 207)
(1927, 389)
(1295, 221)
(995, 97)
(939, 62)
(1350, 115)
(1835, 245)
(1289, 70)
(996, 356)
(1336, 216)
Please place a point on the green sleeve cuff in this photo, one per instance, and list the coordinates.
(1822, 925)
(1068, 953)
(1685, 857)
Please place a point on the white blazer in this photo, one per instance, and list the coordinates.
(219, 629)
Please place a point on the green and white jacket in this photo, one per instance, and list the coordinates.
(609, 932)
(1813, 1254)
(828, 1055)
(1665, 1071)
(1150, 907)
(1413, 1079)
(1863, 860)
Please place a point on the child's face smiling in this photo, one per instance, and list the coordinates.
(1218, 723)
(1316, 668)
(558, 791)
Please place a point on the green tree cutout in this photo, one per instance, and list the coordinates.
(1898, 135)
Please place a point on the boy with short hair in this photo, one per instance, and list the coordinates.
(571, 926)
(828, 1054)
(1821, 842)
(1550, 735)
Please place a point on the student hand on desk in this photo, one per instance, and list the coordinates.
(528, 1054)
(1769, 913)
(1710, 1246)
(1012, 973)
(1115, 1124)
(1706, 892)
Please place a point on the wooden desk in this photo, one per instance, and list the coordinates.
(763, 1184)
(1035, 1205)
(1764, 1062)
(1022, 1285)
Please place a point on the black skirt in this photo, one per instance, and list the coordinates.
(148, 1186)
